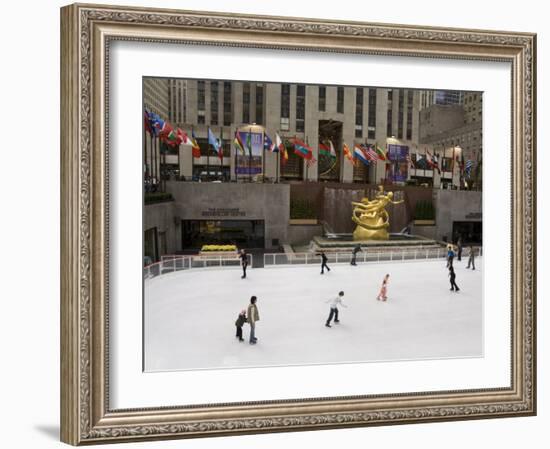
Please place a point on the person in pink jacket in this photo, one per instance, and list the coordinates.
(382, 296)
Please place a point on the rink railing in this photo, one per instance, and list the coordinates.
(171, 264)
(362, 257)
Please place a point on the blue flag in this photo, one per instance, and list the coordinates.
(156, 123)
(268, 144)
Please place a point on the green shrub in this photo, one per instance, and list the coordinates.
(300, 209)
(424, 210)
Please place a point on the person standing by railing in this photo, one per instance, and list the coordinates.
(244, 262)
(471, 258)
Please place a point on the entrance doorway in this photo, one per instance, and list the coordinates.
(470, 231)
(242, 233)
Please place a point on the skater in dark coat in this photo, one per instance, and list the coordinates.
(354, 252)
(241, 319)
(244, 262)
(471, 258)
(459, 249)
(324, 260)
(452, 277)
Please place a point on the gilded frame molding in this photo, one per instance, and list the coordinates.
(86, 31)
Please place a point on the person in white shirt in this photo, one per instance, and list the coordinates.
(334, 303)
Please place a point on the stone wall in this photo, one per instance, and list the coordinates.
(161, 216)
(303, 234)
(456, 205)
(237, 201)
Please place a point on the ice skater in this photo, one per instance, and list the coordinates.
(324, 260)
(383, 294)
(354, 252)
(471, 258)
(450, 256)
(244, 262)
(452, 277)
(459, 249)
(334, 303)
(241, 319)
(253, 316)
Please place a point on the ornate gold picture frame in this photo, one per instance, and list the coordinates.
(87, 31)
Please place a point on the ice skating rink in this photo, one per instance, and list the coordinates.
(189, 316)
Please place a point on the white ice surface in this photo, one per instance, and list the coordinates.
(189, 316)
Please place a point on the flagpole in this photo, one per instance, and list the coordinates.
(424, 164)
(155, 161)
(236, 151)
(305, 161)
(263, 156)
(208, 157)
(221, 151)
(278, 163)
(249, 142)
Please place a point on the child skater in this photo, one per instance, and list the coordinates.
(452, 277)
(241, 319)
(384, 289)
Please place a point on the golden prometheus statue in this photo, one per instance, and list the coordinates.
(371, 217)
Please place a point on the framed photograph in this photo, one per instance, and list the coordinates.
(283, 224)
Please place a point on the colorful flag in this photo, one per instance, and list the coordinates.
(279, 145)
(268, 144)
(332, 150)
(370, 153)
(284, 153)
(468, 167)
(215, 142)
(432, 161)
(167, 134)
(238, 143)
(303, 150)
(359, 154)
(311, 161)
(327, 150)
(380, 152)
(147, 122)
(348, 155)
(157, 124)
(196, 147)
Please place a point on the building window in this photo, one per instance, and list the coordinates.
(409, 114)
(227, 105)
(340, 99)
(246, 102)
(389, 117)
(285, 107)
(213, 102)
(201, 102)
(322, 98)
(401, 110)
(300, 107)
(372, 114)
(359, 112)
(259, 104)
